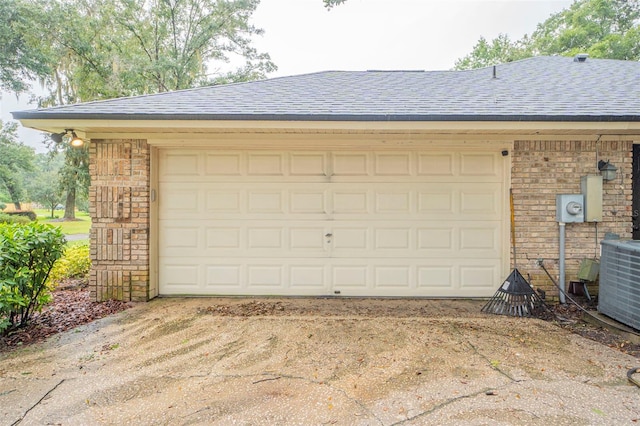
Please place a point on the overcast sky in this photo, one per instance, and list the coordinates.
(302, 36)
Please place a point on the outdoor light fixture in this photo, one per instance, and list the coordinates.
(57, 137)
(74, 140)
(607, 169)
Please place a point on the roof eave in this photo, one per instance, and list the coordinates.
(101, 128)
(41, 115)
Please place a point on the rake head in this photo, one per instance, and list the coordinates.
(515, 298)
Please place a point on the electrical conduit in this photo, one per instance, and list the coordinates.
(561, 283)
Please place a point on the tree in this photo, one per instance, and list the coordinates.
(22, 57)
(74, 177)
(121, 48)
(601, 28)
(44, 187)
(16, 158)
(500, 50)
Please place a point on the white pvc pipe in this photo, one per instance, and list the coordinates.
(561, 263)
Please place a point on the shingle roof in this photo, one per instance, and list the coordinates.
(541, 88)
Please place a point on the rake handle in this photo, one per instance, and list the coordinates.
(513, 228)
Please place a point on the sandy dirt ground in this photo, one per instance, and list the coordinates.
(313, 362)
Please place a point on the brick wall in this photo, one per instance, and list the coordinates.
(119, 209)
(542, 169)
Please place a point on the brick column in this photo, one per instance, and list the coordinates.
(119, 209)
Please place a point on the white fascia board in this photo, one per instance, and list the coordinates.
(435, 127)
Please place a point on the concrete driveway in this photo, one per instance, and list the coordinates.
(313, 362)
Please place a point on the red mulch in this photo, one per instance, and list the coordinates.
(70, 308)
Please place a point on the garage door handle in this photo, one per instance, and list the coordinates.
(328, 235)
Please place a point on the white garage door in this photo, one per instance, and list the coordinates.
(385, 223)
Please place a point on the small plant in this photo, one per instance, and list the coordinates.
(28, 253)
(75, 263)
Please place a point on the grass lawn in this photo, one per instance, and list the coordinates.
(77, 242)
(79, 226)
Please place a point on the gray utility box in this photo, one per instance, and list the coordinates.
(569, 208)
(619, 292)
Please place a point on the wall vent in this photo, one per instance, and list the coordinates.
(619, 292)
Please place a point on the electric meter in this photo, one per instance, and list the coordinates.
(570, 208)
(574, 208)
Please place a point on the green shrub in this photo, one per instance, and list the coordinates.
(28, 252)
(75, 263)
(8, 218)
(28, 214)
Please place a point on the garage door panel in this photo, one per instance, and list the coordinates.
(176, 164)
(349, 237)
(308, 277)
(271, 276)
(289, 239)
(480, 239)
(352, 276)
(181, 278)
(481, 200)
(265, 238)
(386, 223)
(308, 164)
(387, 202)
(415, 277)
(390, 277)
(347, 277)
(393, 164)
(435, 278)
(181, 237)
(306, 237)
(223, 164)
(223, 237)
(387, 239)
(266, 201)
(366, 202)
(479, 277)
(224, 201)
(439, 239)
(436, 164)
(481, 165)
(252, 239)
(234, 276)
(308, 201)
(393, 238)
(179, 201)
(266, 164)
(350, 201)
(436, 202)
(224, 277)
(241, 166)
(350, 164)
